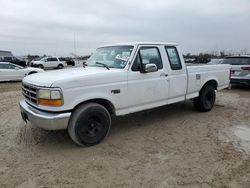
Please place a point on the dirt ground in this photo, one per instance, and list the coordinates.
(172, 146)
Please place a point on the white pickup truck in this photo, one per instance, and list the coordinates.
(117, 80)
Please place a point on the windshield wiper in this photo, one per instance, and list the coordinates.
(104, 65)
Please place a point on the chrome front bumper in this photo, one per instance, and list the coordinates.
(44, 120)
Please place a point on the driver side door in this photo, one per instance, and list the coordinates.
(10, 72)
(15, 72)
(150, 89)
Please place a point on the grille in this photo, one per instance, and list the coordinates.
(29, 92)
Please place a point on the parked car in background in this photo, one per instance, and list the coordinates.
(240, 69)
(215, 61)
(68, 61)
(62, 59)
(48, 62)
(13, 60)
(12, 72)
(201, 60)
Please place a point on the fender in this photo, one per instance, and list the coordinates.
(210, 78)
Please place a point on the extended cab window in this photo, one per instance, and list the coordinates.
(173, 58)
(145, 56)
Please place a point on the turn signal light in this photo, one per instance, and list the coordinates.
(230, 73)
(50, 102)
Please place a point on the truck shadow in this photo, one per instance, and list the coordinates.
(242, 90)
(122, 126)
(241, 87)
(152, 117)
(31, 136)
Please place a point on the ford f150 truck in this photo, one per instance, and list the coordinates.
(117, 80)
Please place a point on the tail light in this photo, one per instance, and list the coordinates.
(245, 68)
(230, 73)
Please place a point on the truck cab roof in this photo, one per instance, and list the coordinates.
(141, 43)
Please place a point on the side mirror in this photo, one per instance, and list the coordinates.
(150, 68)
(16, 68)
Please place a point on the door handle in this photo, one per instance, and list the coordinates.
(166, 75)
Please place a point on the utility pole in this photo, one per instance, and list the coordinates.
(74, 42)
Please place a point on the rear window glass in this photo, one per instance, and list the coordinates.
(236, 61)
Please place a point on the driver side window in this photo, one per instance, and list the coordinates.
(7, 66)
(147, 55)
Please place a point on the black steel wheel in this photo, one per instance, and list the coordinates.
(206, 99)
(89, 124)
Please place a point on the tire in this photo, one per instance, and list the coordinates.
(89, 124)
(60, 66)
(206, 99)
(40, 66)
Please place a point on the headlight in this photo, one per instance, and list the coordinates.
(43, 94)
(49, 97)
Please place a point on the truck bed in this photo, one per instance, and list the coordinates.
(199, 74)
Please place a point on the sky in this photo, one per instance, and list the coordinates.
(60, 27)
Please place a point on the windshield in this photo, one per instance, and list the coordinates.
(20, 67)
(237, 61)
(111, 57)
(43, 59)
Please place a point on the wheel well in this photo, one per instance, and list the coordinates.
(107, 104)
(212, 83)
(32, 72)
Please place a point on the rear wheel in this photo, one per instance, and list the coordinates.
(206, 99)
(60, 66)
(89, 124)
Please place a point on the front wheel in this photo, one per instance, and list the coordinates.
(206, 99)
(89, 124)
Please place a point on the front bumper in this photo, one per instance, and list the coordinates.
(240, 81)
(44, 120)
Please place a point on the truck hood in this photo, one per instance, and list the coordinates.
(75, 77)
